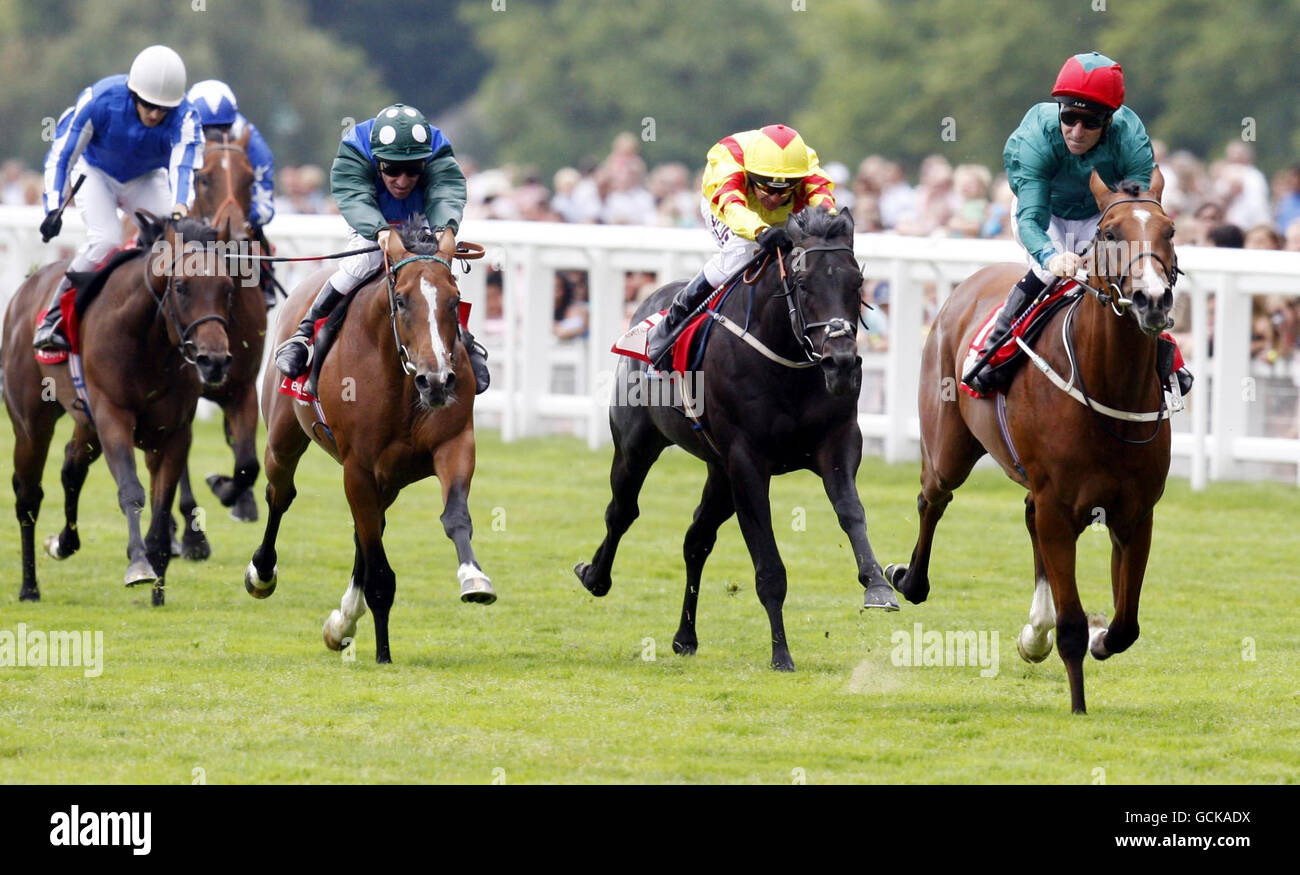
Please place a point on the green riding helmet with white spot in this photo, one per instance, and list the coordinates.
(401, 133)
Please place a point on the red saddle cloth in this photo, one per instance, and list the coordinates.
(682, 346)
(71, 324)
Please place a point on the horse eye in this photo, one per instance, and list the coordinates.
(1169, 233)
(1108, 235)
(401, 302)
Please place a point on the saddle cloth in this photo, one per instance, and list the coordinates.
(633, 342)
(1009, 357)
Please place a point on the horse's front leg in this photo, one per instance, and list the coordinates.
(715, 508)
(1057, 536)
(241, 434)
(1035, 639)
(453, 462)
(379, 584)
(751, 481)
(78, 456)
(1128, 568)
(341, 625)
(116, 436)
(193, 543)
(837, 460)
(165, 466)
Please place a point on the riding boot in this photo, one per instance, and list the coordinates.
(477, 360)
(684, 303)
(49, 335)
(1022, 293)
(293, 356)
(1184, 377)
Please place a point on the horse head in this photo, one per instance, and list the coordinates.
(1133, 253)
(188, 276)
(826, 295)
(424, 301)
(223, 189)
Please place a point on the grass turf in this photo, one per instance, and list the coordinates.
(553, 685)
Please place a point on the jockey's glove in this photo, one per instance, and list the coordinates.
(774, 237)
(51, 225)
(1065, 264)
(180, 211)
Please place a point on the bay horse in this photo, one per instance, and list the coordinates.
(781, 398)
(1079, 464)
(396, 405)
(160, 312)
(223, 192)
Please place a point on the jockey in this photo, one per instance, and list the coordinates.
(754, 181)
(1050, 159)
(137, 142)
(388, 168)
(219, 112)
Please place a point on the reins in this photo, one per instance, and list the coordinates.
(172, 314)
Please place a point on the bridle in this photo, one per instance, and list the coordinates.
(799, 325)
(172, 314)
(1113, 294)
(230, 202)
(404, 354)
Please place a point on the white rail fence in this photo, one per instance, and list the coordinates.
(1240, 421)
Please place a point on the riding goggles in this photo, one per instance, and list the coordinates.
(769, 185)
(147, 106)
(1070, 118)
(401, 168)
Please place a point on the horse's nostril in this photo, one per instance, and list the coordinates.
(450, 382)
(422, 382)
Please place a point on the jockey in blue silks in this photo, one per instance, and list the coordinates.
(137, 142)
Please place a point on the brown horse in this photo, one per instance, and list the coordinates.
(396, 404)
(223, 192)
(160, 312)
(1080, 465)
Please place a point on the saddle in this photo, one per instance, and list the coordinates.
(86, 286)
(1009, 357)
(303, 387)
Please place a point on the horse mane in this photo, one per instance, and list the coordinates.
(820, 222)
(1130, 187)
(197, 230)
(417, 237)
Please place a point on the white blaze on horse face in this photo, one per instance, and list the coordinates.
(430, 293)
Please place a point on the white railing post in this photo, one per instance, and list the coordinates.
(904, 359)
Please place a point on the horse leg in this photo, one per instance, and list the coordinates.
(1128, 568)
(241, 434)
(285, 444)
(751, 483)
(117, 437)
(453, 462)
(341, 625)
(31, 447)
(1035, 640)
(379, 584)
(634, 454)
(165, 467)
(1057, 535)
(78, 456)
(716, 507)
(838, 459)
(193, 544)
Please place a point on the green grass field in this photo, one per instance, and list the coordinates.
(553, 685)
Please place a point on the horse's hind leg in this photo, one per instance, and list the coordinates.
(1035, 640)
(341, 625)
(716, 507)
(285, 444)
(1057, 535)
(1128, 568)
(453, 462)
(379, 584)
(32, 437)
(636, 447)
(78, 456)
(241, 434)
(193, 544)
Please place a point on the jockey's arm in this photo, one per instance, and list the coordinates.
(187, 156)
(444, 191)
(818, 190)
(352, 183)
(67, 147)
(1033, 215)
(259, 155)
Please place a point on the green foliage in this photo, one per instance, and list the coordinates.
(550, 684)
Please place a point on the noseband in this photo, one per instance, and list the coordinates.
(833, 328)
(404, 354)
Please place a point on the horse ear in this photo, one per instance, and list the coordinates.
(1100, 191)
(1157, 186)
(846, 216)
(242, 142)
(150, 226)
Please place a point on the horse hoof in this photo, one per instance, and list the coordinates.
(581, 570)
(29, 595)
(1028, 654)
(196, 551)
(158, 599)
(1097, 628)
(256, 587)
(685, 648)
(245, 508)
(475, 586)
(52, 548)
(782, 663)
(879, 595)
(338, 633)
(895, 573)
(140, 572)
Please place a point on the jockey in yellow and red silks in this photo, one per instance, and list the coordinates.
(754, 181)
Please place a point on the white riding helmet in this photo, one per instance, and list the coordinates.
(158, 76)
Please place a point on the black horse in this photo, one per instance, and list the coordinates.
(782, 397)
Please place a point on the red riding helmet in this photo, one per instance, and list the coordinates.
(1090, 82)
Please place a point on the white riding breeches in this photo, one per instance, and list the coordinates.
(733, 253)
(98, 200)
